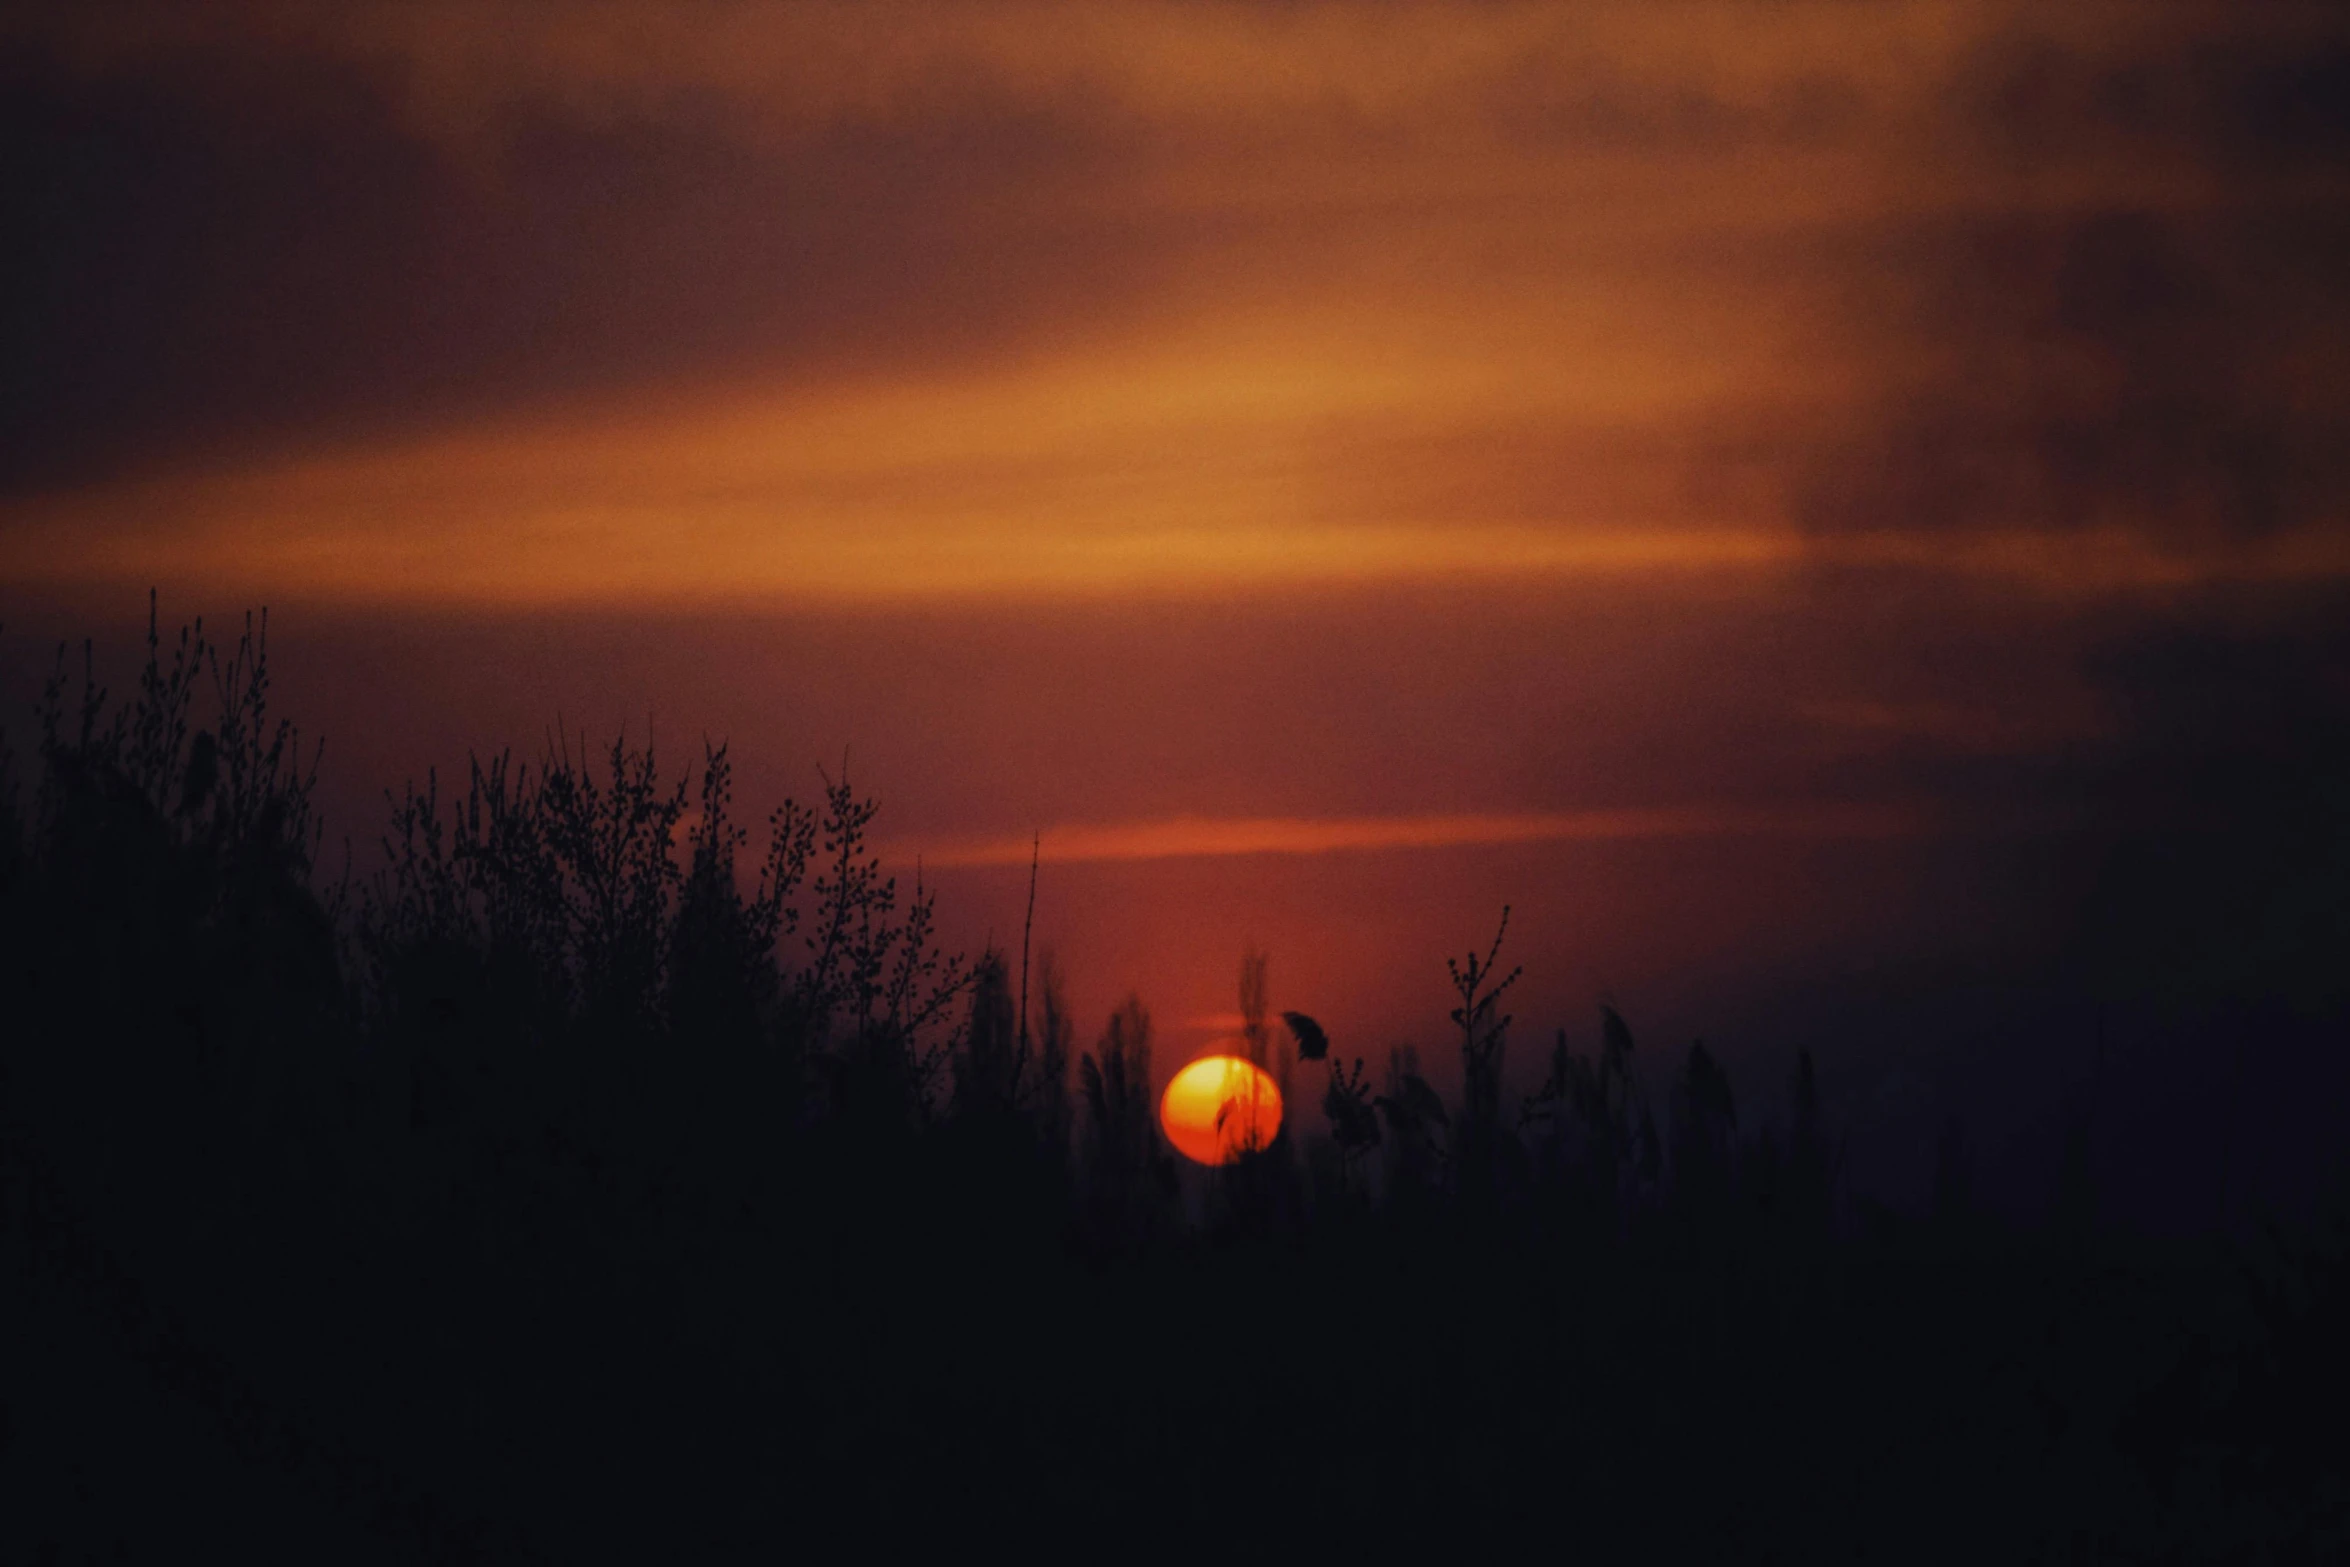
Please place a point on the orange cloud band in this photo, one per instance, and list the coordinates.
(1202, 837)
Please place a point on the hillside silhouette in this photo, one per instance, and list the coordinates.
(613, 1174)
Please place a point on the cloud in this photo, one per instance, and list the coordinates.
(2228, 866)
(2257, 92)
(1224, 837)
(239, 249)
(2115, 368)
(1957, 282)
(258, 227)
(2130, 321)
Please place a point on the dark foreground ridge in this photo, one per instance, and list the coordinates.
(598, 1182)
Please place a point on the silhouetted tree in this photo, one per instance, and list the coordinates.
(876, 988)
(524, 1136)
(1055, 1037)
(1810, 1179)
(1354, 1121)
(1417, 1130)
(171, 1007)
(1592, 1125)
(1125, 1176)
(1705, 1125)
(1481, 1144)
(725, 981)
(991, 1060)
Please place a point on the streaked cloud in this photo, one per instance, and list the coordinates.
(1204, 837)
(1278, 436)
(751, 303)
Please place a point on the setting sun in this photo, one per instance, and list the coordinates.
(712, 703)
(1219, 1108)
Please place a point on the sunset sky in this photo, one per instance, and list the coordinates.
(1818, 506)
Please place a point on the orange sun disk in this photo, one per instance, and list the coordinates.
(1219, 1108)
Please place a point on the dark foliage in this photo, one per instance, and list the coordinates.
(601, 1180)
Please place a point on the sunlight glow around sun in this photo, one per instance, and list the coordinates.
(1219, 1108)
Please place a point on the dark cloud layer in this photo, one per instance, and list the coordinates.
(2218, 86)
(219, 246)
(2145, 322)
(2121, 368)
(2229, 789)
(2122, 268)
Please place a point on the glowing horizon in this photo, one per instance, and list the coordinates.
(1735, 483)
(1194, 837)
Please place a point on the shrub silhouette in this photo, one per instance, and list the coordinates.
(602, 1177)
(1705, 1126)
(1126, 1174)
(1594, 1135)
(1484, 1155)
(1055, 1036)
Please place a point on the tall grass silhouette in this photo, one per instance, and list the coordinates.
(605, 1177)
